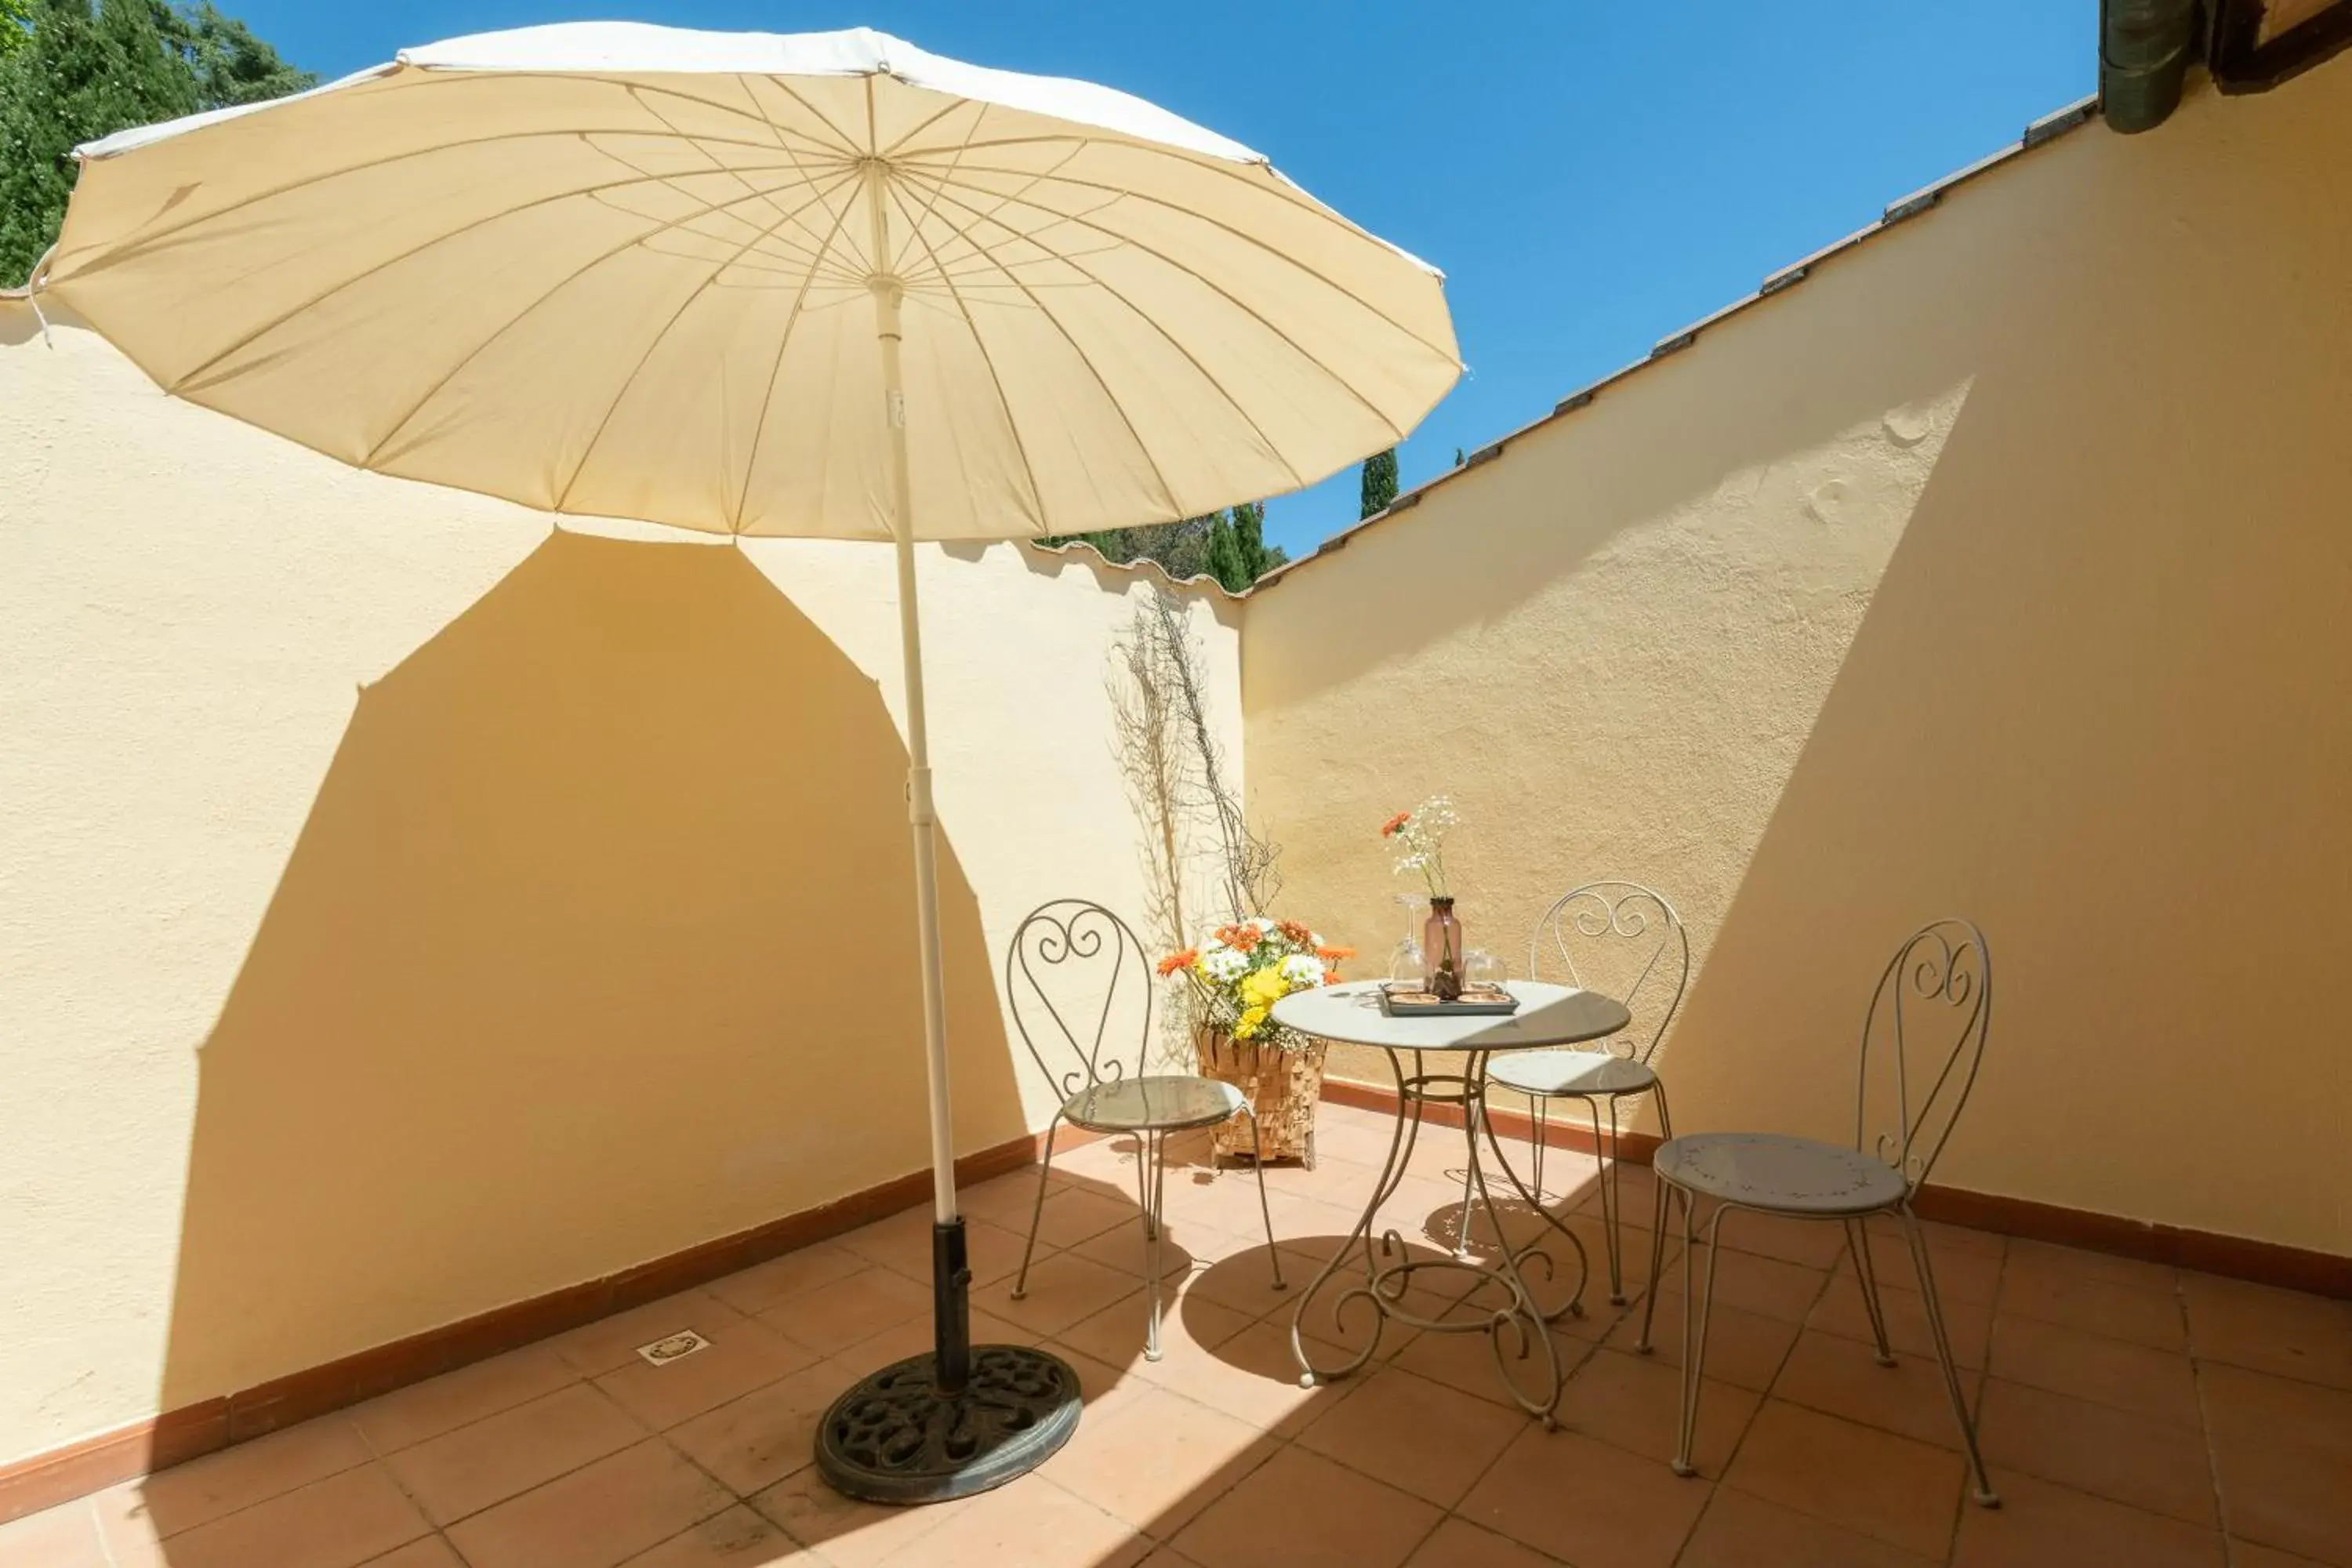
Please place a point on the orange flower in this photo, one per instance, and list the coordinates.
(1242, 937)
(1331, 977)
(1296, 932)
(1389, 828)
(1176, 961)
(1331, 955)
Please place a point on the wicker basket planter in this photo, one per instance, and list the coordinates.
(1283, 1086)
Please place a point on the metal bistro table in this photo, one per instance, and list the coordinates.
(1547, 1015)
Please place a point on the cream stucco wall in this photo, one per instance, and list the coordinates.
(407, 908)
(2003, 566)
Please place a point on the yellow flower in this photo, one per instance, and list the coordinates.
(1265, 988)
(1249, 1022)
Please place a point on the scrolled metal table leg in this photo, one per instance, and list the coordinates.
(1402, 1137)
(1522, 1317)
(1574, 1306)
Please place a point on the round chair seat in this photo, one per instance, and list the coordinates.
(1167, 1104)
(1774, 1170)
(1549, 1073)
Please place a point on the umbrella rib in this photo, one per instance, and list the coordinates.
(848, 143)
(450, 79)
(917, 226)
(645, 358)
(135, 248)
(1130, 193)
(640, 90)
(815, 257)
(945, 179)
(768, 398)
(824, 249)
(687, 137)
(411, 253)
(1028, 469)
(516, 318)
(1297, 479)
(1207, 163)
(979, 103)
(1338, 380)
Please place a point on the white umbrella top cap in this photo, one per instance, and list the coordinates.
(619, 269)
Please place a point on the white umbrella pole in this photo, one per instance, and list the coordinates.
(950, 1276)
(924, 1429)
(889, 294)
(921, 812)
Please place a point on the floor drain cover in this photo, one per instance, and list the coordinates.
(669, 1347)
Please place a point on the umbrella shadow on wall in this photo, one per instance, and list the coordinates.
(597, 944)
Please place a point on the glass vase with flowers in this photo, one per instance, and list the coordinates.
(1417, 839)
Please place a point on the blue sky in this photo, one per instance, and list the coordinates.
(1589, 175)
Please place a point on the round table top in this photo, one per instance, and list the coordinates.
(1548, 1016)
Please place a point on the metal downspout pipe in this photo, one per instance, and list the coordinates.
(2145, 48)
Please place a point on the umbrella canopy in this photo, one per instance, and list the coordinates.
(618, 269)
(823, 285)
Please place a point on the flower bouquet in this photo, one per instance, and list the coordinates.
(1235, 976)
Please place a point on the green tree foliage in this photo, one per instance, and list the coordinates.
(1250, 549)
(1229, 546)
(1225, 555)
(1380, 486)
(74, 71)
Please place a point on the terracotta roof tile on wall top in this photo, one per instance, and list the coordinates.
(1141, 566)
(2048, 127)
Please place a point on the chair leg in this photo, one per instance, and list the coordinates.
(1985, 1497)
(1266, 1210)
(1543, 1105)
(1604, 1168)
(1159, 1187)
(1470, 1114)
(1657, 1256)
(1143, 1142)
(1037, 1210)
(1155, 1146)
(1695, 1344)
(1857, 1246)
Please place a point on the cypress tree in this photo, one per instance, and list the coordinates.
(1379, 484)
(1224, 560)
(1249, 538)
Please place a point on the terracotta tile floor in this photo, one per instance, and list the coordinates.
(2133, 1415)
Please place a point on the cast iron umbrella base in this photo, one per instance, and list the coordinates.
(956, 1421)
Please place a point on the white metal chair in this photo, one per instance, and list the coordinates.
(1922, 1039)
(1629, 940)
(1069, 961)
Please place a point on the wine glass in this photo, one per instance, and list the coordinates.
(1483, 970)
(1408, 965)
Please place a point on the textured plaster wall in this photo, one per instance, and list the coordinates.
(2004, 567)
(406, 908)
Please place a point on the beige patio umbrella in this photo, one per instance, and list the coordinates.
(814, 285)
